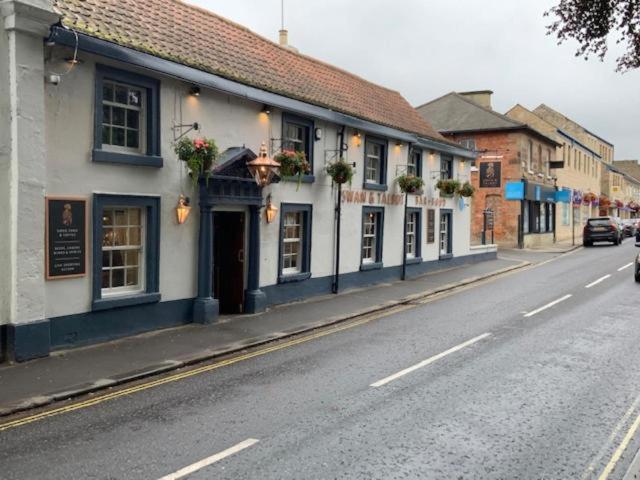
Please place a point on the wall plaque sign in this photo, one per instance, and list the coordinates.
(490, 175)
(65, 237)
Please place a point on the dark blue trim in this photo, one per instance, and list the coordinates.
(307, 218)
(418, 152)
(27, 341)
(448, 160)
(151, 115)
(254, 299)
(382, 177)
(418, 234)
(290, 292)
(152, 248)
(375, 186)
(414, 260)
(105, 156)
(379, 211)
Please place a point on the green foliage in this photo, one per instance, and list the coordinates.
(340, 171)
(466, 190)
(199, 154)
(293, 164)
(448, 187)
(410, 183)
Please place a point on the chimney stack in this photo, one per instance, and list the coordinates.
(284, 37)
(481, 97)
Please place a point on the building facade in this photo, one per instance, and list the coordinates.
(507, 151)
(91, 181)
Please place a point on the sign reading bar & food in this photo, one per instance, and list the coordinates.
(66, 237)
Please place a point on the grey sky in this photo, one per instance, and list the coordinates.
(426, 48)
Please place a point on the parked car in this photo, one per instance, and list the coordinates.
(602, 229)
(629, 227)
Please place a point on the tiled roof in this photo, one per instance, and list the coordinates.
(201, 39)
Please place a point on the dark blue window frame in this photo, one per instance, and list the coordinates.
(418, 235)
(446, 166)
(152, 250)
(152, 156)
(305, 265)
(379, 212)
(309, 128)
(382, 176)
(417, 154)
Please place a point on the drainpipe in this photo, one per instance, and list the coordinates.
(338, 210)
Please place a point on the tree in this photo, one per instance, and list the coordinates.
(591, 21)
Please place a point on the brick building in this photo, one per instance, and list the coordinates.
(507, 151)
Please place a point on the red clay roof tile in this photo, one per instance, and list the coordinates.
(201, 39)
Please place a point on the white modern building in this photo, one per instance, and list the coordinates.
(93, 96)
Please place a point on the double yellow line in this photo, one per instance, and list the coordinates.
(197, 371)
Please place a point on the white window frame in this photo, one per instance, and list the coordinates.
(373, 163)
(371, 219)
(140, 287)
(411, 239)
(142, 123)
(299, 222)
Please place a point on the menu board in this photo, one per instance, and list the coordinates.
(431, 225)
(66, 237)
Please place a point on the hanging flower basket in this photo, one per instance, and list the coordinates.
(466, 190)
(410, 183)
(604, 201)
(340, 171)
(633, 206)
(589, 197)
(293, 164)
(448, 187)
(619, 204)
(199, 154)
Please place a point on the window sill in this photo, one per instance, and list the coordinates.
(380, 187)
(446, 256)
(365, 267)
(413, 260)
(294, 277)
(124, 301)
(304, 179)
(105, 156)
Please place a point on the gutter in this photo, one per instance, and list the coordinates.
(66, 37)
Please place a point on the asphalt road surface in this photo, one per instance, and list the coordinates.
(532, 375)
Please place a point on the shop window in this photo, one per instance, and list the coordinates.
(297, 135)
(414, 167)
(295, 242)
(446, 167)
(413, 238)
(446, 247)
(126, 232)
(127, 118)
(372, 229)
(375, 164)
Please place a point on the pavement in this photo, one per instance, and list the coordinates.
(70, 373)
(531, 374)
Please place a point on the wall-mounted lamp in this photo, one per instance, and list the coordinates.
(194, 90)
(398, 143)
(182, 209)
(270, 210)
(357, 138)
(266, 109)
(73, 61)
(317, 133)
(263, 168)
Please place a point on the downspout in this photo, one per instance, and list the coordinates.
(338, 210)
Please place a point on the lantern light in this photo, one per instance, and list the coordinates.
(263, 168)
(271, 210)
(194, 90)
(182, 209)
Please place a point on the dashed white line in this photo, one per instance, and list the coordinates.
(188, 470)
(601, 279)
(548, 305)
(625, 266)
(428, 361)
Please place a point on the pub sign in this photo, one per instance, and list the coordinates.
(65, 237)
(490, 174)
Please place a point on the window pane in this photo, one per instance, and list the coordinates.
(132, 138)
(118, 137)
(121, 94)
(117, 278)
(132, 277)
(134, 236)
(131, 258)
(117, 257)
(134, 216)
(135, 97)
(106, 114)
(132, 118)
(119, 236)
(107, 237)
(106, 259)
(106, 135)
(121, 217)
(105, 278)
(118, 116)
(107, 91)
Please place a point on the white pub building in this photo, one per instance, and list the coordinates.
(96, 243)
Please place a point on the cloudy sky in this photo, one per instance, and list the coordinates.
(426, 48)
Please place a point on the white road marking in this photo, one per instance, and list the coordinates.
(601, 279)
(548, 305)
(183, 472)
(428, 361)
(625, 266)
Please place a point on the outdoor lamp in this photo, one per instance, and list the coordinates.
(271, 210)
(182, 209)
(263, 168)
(194, 90)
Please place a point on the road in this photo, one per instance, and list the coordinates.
(532, 375)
